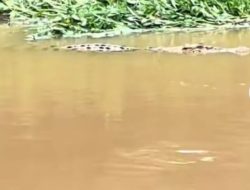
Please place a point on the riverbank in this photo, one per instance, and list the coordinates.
(46, 19)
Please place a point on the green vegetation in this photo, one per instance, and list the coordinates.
(3, 7)
(73, 18)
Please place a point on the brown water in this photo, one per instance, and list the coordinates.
(125, 121)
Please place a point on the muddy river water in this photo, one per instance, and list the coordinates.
(124, 121)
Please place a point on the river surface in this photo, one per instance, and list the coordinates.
(124, 121)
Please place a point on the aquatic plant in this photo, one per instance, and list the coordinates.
(3, 7)
(73, 18)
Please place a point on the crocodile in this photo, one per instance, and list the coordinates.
(98, 47)
(201, 49)
(188, 49)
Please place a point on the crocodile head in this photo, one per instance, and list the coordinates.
(200, 49)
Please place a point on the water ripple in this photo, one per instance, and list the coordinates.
(156, 158)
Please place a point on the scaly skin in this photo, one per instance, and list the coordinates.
(200, 49)
(98, 47)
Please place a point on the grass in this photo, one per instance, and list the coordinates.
(74, 18)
